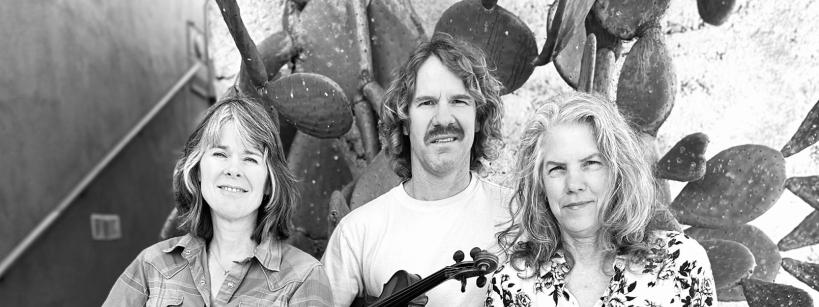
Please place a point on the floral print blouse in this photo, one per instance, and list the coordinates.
(676, 273)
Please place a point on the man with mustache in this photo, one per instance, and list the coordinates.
(441, 116)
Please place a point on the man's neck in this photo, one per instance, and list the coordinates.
(426, 186)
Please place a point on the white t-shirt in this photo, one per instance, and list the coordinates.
(397, 232)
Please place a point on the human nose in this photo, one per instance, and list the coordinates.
(443, 114)
(232, 168)
(575, 181)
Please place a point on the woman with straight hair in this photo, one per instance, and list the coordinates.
(581, 235)
(236, 198)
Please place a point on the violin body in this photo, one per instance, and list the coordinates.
(399, 281)
(405, 289)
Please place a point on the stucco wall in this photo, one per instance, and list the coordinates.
(76, 77)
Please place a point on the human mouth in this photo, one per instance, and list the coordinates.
(232, 189)
(443, 140)
(577, 205)
(444, 134)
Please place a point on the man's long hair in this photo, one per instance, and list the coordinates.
(469, 64)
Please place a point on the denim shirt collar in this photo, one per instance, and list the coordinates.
(268, 253)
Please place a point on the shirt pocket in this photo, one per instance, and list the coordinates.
(258, 302)
(268, 300)
(166, 298)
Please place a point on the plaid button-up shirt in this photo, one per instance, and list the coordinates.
(174, 272)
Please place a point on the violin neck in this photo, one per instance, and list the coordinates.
(407, 294)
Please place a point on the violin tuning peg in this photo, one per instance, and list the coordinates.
(481, 281)
(458, 256)
(474, 252)
(463, 285)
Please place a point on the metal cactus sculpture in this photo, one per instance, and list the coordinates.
(342, 53)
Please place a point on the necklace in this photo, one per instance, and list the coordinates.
(219, 261)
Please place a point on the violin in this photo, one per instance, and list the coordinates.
(482, 263)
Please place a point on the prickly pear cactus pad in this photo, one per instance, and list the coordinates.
(313, 103)
(626, 18)
(648, 83)
(715, 12)
(686, 160)
(807, 134)
(395, 30)
(730, 261)
(320, 169)
(378, 178)
(767, 294)
(766, 255)
(807, 188)
(740, 184)
(326, 32)
(567, 61)
(806, 233)
(807, 273)
(507, 41)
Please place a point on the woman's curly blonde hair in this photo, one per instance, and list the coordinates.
(535, 235)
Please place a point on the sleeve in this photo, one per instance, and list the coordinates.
(130, 289)
(697, 278)
(314, 290)
(343, 265)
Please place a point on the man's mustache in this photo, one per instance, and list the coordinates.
(438, 130)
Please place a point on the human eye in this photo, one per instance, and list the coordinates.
(555, 170)
(462, 101)
(426, 102)
(253, 160)
(219, 153)
(593, 164)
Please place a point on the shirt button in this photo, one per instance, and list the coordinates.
(202, 281)
(187, 253)
(230, 285)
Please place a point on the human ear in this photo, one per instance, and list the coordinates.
(268, 187)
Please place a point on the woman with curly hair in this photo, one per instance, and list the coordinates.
(581, 235)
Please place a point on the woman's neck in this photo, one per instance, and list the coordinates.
(232, 239)
(584, 249)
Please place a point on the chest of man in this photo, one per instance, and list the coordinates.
(423, 242)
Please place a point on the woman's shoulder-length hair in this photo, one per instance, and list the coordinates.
(469, 64)
(535, 236)
(256, 128)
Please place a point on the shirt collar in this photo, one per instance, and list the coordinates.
(558, 263)
(190, 245)
(268, 253)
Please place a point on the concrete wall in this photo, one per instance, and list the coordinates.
(76, 76)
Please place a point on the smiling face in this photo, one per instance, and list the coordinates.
(233, 176)
(576, 178)
(441, 125)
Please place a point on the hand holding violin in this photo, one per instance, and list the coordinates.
(400, 290)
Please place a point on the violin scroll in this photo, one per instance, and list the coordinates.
(482, 263)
